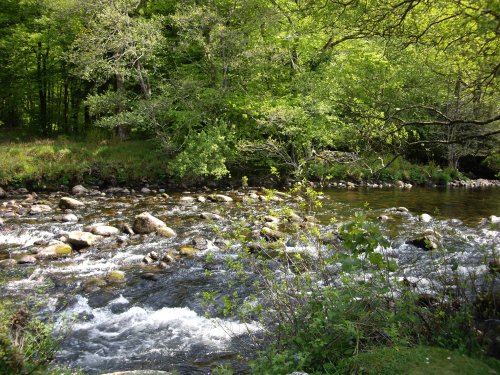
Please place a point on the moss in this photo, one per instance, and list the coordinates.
(187, 251)
(420, 360)
(115, 277)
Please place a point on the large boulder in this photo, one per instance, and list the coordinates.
(81, 240)
(147, 223)
(67, 202)
(58, 250)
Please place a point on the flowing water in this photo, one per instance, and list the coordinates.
(155, 318)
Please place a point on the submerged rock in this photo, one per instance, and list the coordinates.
(146, 223)
(81, 240)
(67, 218)
(67, 202)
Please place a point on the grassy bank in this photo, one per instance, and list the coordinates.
(40, 164)
(50, 163)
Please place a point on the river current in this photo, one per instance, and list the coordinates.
(155, 318)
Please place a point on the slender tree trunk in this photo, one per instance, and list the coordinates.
(42, 93)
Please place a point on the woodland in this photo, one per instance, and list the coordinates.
(294, 85)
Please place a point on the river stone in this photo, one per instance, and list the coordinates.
(126, 228)
(425, 218)
(105, 230)
(39, 209)
(145, 190)
(81, 239)
(1, 222)
(139, 372)
(166, 232)
(67, 218)
(399, 184)
(272, 234)
(210, 216)
(220, 198)
(79, 190)
(199, 243)
(147, 223)
(27, 259)
(187, 251)
(271, 219)
(3, 194)
(59, 250)
(201, 199)
(494, 219)
(115, 277)
(383, 217)
(186, 199)
(426, 242)
(67, 202)
(7, 263)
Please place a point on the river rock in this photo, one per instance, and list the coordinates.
(3, 194)
(68, 218)
(166, 232)
(220, 198)
(426, 242)
(67, 202)
(59, 250)
(494, 219)
(27, 259)
(186, 199)
(81, 240)
(147, 223)
(425, 218)
(1, 222)
(383, 217)
(105, 230)
(146, 190)
(210, 216)
(115, 277)
(79, 190)
(39, 209)
(126, 228)
(272, 234)
(187, 251)
(271, 219)
(201, 199)
(5, 263)
(199, 243)
(399, 184)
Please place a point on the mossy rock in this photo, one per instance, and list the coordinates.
(421, 360)
(55, 251)
(115, 277)
(187, 251)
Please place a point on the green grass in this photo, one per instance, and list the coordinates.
(421, 360)
(57, 162)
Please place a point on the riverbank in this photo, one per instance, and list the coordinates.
(57, 164)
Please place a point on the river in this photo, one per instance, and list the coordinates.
(155, 319)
